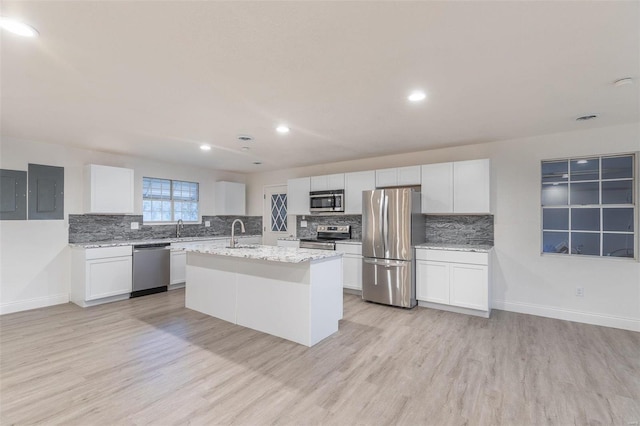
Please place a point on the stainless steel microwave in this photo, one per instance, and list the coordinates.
(326, 201)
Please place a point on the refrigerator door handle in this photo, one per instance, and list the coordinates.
(386, 263)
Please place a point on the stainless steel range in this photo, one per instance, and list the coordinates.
(327, 237)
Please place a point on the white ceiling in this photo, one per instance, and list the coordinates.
(157, 79)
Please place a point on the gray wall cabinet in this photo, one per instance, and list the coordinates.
(46, 192)
(13, 195)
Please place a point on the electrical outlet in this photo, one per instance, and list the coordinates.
(580, 291)
(135, 225)
(303, 224)
(207, 223)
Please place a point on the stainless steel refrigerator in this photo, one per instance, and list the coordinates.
(391, 226)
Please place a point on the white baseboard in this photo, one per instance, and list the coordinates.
(37, 302)
(569, 315)
(455, 309)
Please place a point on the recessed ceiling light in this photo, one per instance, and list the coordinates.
(205, 147)
(582, 161)
(623, 81)
(17, 27)
(257, 163)
(417, 96)
(586, 117)
(282, 129)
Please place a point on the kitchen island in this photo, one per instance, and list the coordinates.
(291, 293)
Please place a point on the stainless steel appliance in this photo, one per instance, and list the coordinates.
(151, 263)
(326, 201)
(327, 237)
(391, 226)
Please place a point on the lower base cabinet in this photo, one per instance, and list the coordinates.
(100, 275)
(178, 266)
(453, 278)
(351, 265)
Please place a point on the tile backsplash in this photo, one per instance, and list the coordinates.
(311, 231)
(459, 229)
(453, 229)
(88, 228)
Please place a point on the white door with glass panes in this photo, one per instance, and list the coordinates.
(274, 218)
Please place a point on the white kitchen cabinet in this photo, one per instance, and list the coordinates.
(327, 182)
(398, 176)
(437, 188)
(298, 196)
(453, 279)
(230, 199)
(100, 275)
(354, 184)
(471, 186)
(108, 189)
(288, 243)
(351, 265)
(461, 187)
(178, 266)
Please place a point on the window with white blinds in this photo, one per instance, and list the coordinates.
(166, 200)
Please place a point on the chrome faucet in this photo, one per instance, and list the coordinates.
(179, 228)
(232, 244)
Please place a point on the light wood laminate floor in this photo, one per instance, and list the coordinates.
(152, 361)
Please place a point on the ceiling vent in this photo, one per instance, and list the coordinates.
(245, 138)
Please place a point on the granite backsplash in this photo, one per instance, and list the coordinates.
(311, 231)
(449, 229)
(89, 228)
(459, 229)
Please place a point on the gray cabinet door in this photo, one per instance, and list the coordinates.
(46, 192)
(13, 195)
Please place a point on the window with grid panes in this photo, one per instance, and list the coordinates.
(166, 200)
(589, 206)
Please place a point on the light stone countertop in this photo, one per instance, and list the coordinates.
(480, 248)
(289, 239)
(117, 243)
(271, 253)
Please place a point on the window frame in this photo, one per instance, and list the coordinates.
(173, 221)
(601, 232)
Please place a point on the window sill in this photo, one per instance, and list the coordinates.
(589, 257)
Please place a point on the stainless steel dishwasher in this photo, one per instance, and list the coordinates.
(151, 265)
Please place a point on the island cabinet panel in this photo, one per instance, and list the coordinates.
(301, 302)
(218, 296)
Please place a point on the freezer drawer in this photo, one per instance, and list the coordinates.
(390, 282)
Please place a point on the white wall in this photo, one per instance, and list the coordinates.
(34, 255)
(523, 280)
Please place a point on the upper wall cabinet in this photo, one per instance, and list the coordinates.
(298, 196)
(462, 187)
(13, 194)
(46, 192)
(327, 182)
(108, 190)
(230, 199)
(354, 184)
(398, 176)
